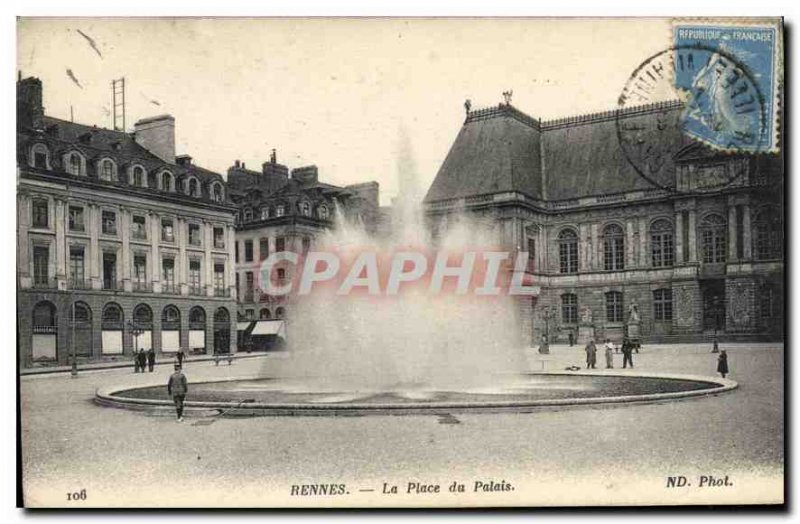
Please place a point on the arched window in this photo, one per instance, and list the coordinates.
(323, 212)
(662, 305)
(112, 316)
(280, 313)
(305, 209)
(138, 177)
(248, 214)
(143, 315)
(75, 164)
(107, 171)
(216, 192)
(713, 230)
(264, 314)
(614, 306)
(613, 248)
(171, 314)
(167, 181)
(44, 316)
(80, 313)
(197, 316)
(221, 316)
(569, 308)
(568, 251)
(662, 243)
(40, 157)
(194, 187)
(767, 235)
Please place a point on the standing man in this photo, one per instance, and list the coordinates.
(177, 387)
(180, 356)
(136, 361)
(151, 359)
(591, 354)
(627, 353)
(142, 357)
(571, 339)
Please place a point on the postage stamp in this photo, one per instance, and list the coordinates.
(566, 259)
(730, 74)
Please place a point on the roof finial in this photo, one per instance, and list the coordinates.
(273, 157)
(467, 105)
(507, 96)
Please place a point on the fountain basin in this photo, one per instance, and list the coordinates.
(267, 396)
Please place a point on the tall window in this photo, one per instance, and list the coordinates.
(194, 277)
(219, 279)
(138, 176)
(167, 230)
(139, 272)
(613, 248)
(569, 308)
(263, 248)
(166, 181)
(139, 227)
(280, 210)
(768, 237)
(219, 237)
(248, 291)
(77, 269)
(662, 305)
(614, 306)
(264, 213)
(323, 212)
(248, 250)
(714, 235)
(194, 235)
(107, 170)
(568, 251)
(194, 187)
(40, 156)
(280, 244)
(168, 274)
(662, 243)
(216, 192)
(40, 216)
(109, 271)
(305, 209)
(248, 214)
(75, 219)
(109, 223)
(41, 263)
(74, 164)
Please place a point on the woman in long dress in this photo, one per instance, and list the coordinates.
(722, 363)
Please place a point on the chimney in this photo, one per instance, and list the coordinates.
(157, 135)
(30, 112)
(183, 160)
(306, 175)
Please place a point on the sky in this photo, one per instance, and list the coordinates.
(353, 96)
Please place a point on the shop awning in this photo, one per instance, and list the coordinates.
(270, 327)
(242, 326)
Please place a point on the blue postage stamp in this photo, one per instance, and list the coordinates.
(730, 77)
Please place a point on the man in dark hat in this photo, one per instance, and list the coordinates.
(177, 387)
(151, 359)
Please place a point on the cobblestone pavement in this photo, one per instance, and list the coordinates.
(578, 455)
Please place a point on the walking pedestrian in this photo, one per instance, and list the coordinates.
(177, 387)
(591, 354)
(627, 353)
(151, 359)
(722, 363)
(180, 356)
(609, 354)
(136, 361)
(142, 358)
(715, 346)
(571, 339)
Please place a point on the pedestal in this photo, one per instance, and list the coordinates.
(634, 333)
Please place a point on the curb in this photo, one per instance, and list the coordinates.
(106, 397)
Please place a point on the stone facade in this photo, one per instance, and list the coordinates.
(695, 256)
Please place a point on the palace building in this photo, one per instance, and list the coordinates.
(279, 210)
(694, 250)
(121, 244)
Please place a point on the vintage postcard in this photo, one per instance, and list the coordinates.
(400, 262)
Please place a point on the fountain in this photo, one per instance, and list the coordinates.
(409, 352)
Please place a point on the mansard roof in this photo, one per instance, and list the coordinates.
(500, 149)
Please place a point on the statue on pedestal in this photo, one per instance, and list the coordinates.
(586, 326)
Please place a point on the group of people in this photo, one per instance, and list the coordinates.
(146, 360)
(627, 353)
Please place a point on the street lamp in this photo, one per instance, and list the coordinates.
(135, 331)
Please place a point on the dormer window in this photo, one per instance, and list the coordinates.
(107, 170)
(138, 176)
(323, 212)
(264, 213)
(305, 209)
(280, 210)
(40, 157)
(216, 192)
(248, 214)
(74, 164)
(194, 188)
(167, 182)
